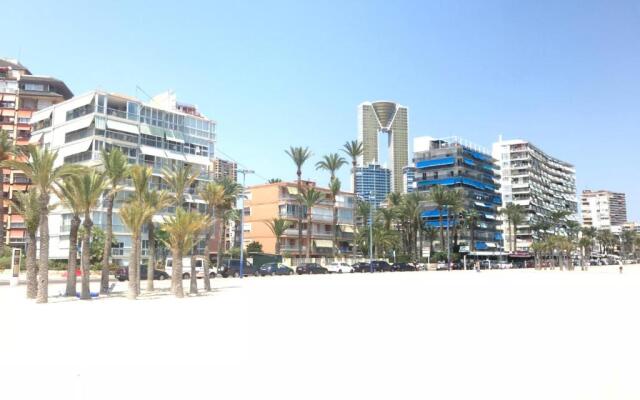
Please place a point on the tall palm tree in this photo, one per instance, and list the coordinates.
(353, 149)
(363, 211)
(89, 188)
(606, 239)
(274, 180)
(140, 180)
(278, 226)
(331, 163)
(27, 204)
(116, 169)
(134, 214)
(40, 168)
(334, 189)
(386, 216)
(471, 218)
(213, 194)
(455, 207)
(68, 193)
(439, 195)
(154, 201)
(310, 198)
(299, 155)
(182, 229)
(430, 234)
(179, 180)
(515, 215)
(224, 212)
(558, 220)
(411, 209)
(7, 151)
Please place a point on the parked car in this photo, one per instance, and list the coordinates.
(404, 267)
(232, 268)
(275, 269)
(381, 266)
(186, 267)
(122, 274)
(361, 267)
(442, 265)
(310, 268)
(339, 267)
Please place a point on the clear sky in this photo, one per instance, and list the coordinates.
(563, 74)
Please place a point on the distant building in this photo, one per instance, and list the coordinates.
(278, 200)
(390, 119)
(408, 179)
(22, 94)
(603, 209)
(373, 183)
(224, 169)
(538, 182)
(457, 164)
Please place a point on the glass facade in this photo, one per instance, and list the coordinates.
(373, 183)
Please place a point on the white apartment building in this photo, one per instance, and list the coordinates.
(161, 133)
(535, 180)
(603, 209)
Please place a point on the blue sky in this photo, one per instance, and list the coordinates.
(563, 74)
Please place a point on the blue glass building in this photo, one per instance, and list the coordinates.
(373, 180)
(457, 164)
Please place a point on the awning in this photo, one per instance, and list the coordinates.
(292, 190)
(16, 234)
(24, 113)
(174, 136)
(193, 159)
(80, 101)
(323, 243)
(74, 125)
(175, 156)
(153, 151)
(346, 228)
(151, 130)
(122, 127)
(436, 162)
(41, 115)
(8, 113)
(74, 148)
(469, 161)
(9, 97)
(35, 138)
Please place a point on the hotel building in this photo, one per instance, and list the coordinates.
(603, 209)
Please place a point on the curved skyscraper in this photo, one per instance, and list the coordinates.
(388, 118)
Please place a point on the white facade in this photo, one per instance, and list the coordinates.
(156, 135)
(535, 180)
(603, 209)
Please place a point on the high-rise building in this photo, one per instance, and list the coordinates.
(21, 94)
(161, 134)
(373, 183)
(457, 164)
(540, 183)
(408, 179)
(224, 169)
(278, 200)
(391, 119)
(603, 209)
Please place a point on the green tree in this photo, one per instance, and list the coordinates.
(179, 180)
(331, 163)
(27, 204)
(515, 215)
(154, 201)
(116, 170)
(471, 218)
(353, 149)
(310, 198)
(334, 189)
(299, 155)
(439, 195)
(134, 215)
(40, 168)
(278, 226)
(213, 194)
(226, 213)
(254, 247)
(274, 180)
(7, 151)
(68, 194)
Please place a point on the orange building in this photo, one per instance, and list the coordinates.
(21, 94)
(268, 201)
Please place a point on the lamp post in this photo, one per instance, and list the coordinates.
(244, 173)
(446, 207)
(371, 204)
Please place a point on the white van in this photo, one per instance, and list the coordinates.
(186, 267)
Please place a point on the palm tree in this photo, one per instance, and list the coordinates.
(439, 195)
(68, 193)
(40, 168)
(89, 188)
(363, 211)
(471, 218)
(606, 239)
(27, 204)
(334, 189)
(274, 180)
(430, 234)
(116, 169)
(224, 212)
(310, 198)
(7, 151)
(353, 149)
(213, 193)
(455, 208)
(558, 220)
(585, 244)
(155, 201)
(134, 214)
(331, 163)
(299, 155)
(515, 215)
(182, 229)
(278, 226)
(179, 180)
(386, 216)
(140, 180)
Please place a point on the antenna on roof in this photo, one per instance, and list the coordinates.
(138, 88)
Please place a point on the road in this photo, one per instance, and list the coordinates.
(515, 334)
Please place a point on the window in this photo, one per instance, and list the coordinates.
(247, 211)
(79, 112)
(23, 120)
(78, 134)
(247, 227)
(36, 87)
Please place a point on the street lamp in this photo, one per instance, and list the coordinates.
(371, 203)
(244, 173)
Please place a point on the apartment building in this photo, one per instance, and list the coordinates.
(542, 184)
(278, 200)
(458, 164)
(161, 133)
(373, 183)
(224, 169)
(22, 94)
(603, 209)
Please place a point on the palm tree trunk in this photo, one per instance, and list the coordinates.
(193, 282)
(133, 271)
(355, 242)
(335, 229)
(1, 210)
(205, 265)
(441, 228)
(176, 276)
(32, 268)
(308, 235)
(43, 268)
(299, 173)
(277, 245)
(151, 247)
(106, 254)
(221, 240)
(73, 256)
(421, 244)
(86, 257)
